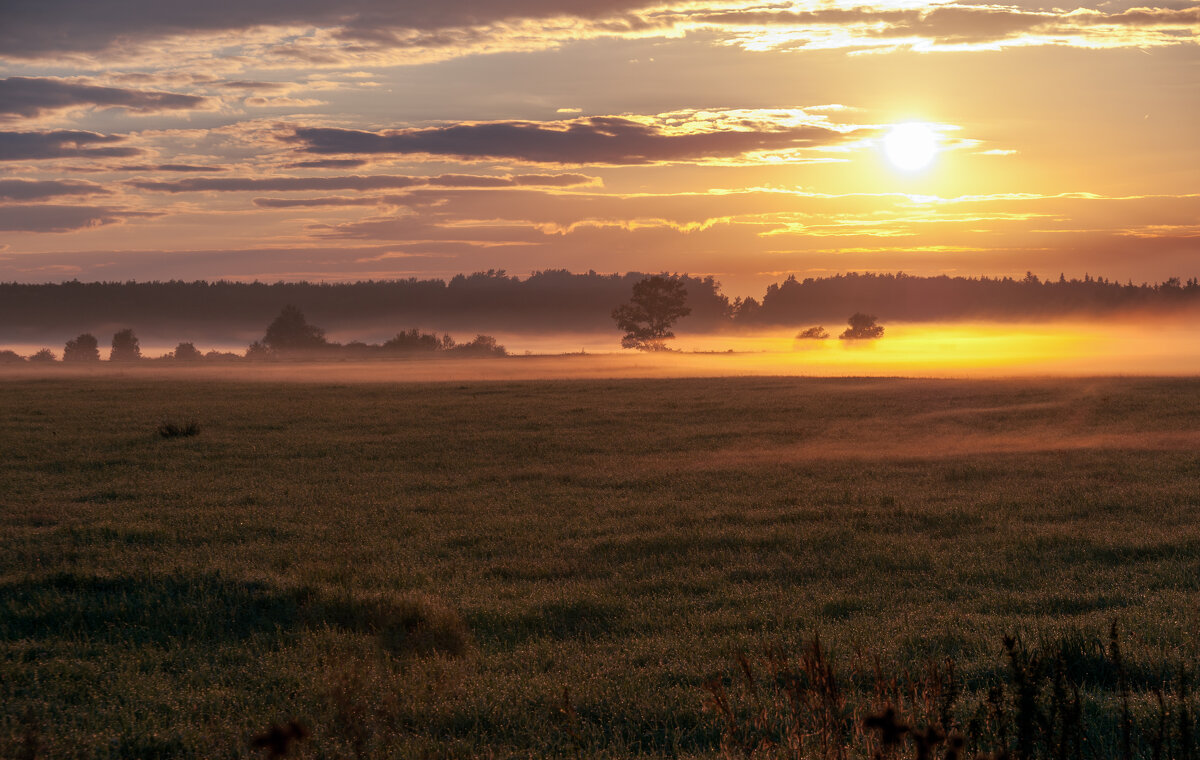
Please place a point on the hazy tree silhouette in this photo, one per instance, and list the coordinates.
(415, 341)
(186, 352)
(10, 357)
(44, 355)
(482, 345)
(125, 347)
(656, 304)
(291, 332)
(862, 327)
(812, 333)
(85, 348)
(257, 351)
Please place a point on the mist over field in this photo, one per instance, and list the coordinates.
(1128, 346)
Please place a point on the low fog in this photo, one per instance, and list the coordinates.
(1129, 346)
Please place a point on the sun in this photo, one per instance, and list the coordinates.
(910, 146)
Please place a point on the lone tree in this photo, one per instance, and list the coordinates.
(862, 327)
(125, 347)
(291, 332)
(85, 348)
(656, 304)
(812, 333)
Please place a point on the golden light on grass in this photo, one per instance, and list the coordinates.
(910, 146)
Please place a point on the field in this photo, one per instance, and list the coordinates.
(542, 568)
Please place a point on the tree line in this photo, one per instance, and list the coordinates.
(289, 336)
(581, 302)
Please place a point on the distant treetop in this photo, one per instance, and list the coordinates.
(291, 332)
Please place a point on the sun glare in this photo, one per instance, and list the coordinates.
(910, 146)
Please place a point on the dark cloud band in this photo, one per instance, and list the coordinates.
(35, 190)
(33, 28)
(597, 140)
(19, 146)
(28, 97)
(55, 218)
(377, 182)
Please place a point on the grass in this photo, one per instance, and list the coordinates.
(563, 568)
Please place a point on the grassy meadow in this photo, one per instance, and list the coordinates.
(573, 567)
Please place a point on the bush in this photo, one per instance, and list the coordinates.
(186, 352)
(812, 333)
(482, 345)
(84, 348)
(125, 347)
(173, 430)
(862, 327)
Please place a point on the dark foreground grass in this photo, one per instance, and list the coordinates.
(574, 568)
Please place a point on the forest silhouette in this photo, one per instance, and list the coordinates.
(558, 300)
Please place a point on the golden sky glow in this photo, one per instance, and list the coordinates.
(372, 139)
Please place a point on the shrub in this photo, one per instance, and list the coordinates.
(84, 348)
(173, 430)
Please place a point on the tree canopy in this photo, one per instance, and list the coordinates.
(862, 327)
(291, 332)
(656, 304)
(187, 352)
(125, 347)
(85, 348)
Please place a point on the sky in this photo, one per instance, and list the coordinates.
(380, 139)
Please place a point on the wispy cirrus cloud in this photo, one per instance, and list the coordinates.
(475, 214)
(952, 27)
(19, 146)
(598, 140)
(27, 97)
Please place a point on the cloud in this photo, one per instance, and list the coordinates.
(35, 190)
(179, 168)
(785, 217)
(354, 33)
(54, 218)
(243, 84)
(612, 140)
(361, 183)
(28, 97)
(19, 146)
(951, 27)
(183, 168)
(34, 29)
(328, 163)
(329, 201)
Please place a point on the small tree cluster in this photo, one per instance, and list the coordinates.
(862, 327)
(291, 336)
(85, 348)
